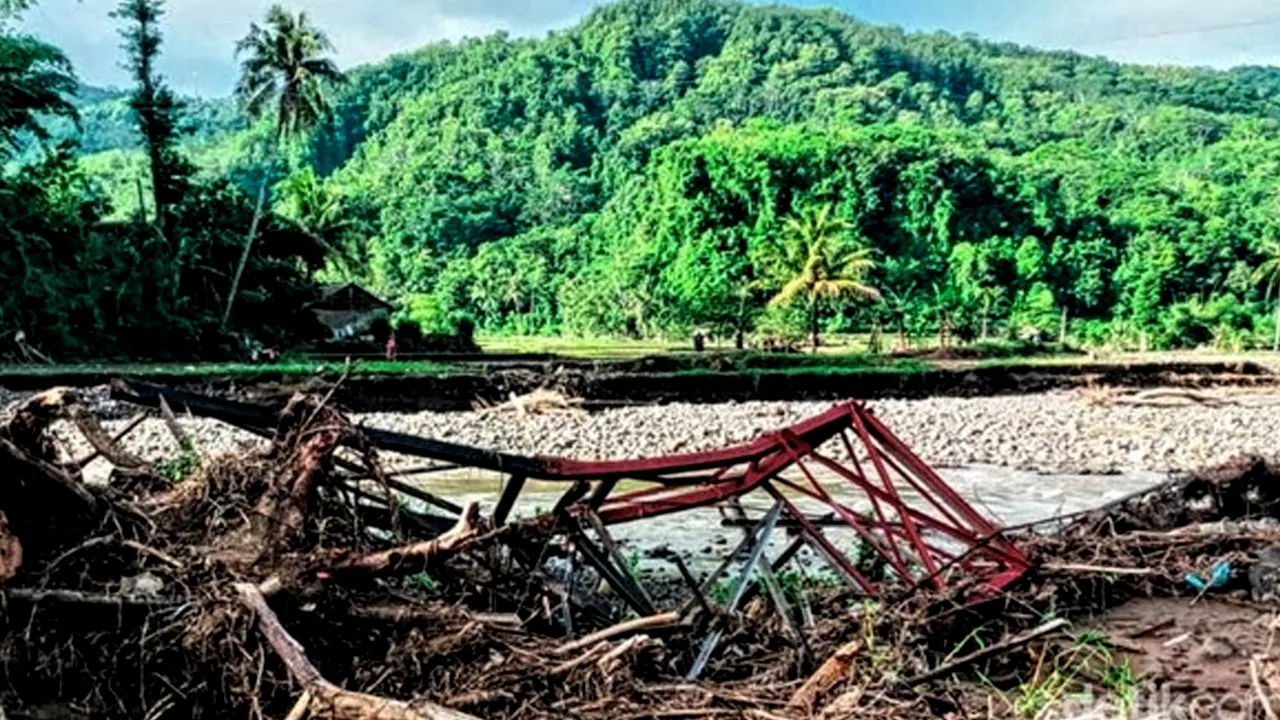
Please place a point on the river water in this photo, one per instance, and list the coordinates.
(1010, 497)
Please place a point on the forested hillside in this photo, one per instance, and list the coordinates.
(104, 121)
(671, 164)
(631, 175)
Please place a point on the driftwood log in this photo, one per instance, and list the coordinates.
(835, 669)
(308, 434)
(664, 620)
(311, 433)
(10, 551)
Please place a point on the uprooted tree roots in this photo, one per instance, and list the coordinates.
(270, 583)
(292, 582)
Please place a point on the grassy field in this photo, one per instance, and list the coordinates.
(708, 364)
(625, 348)
(584, 348)
(841, 356)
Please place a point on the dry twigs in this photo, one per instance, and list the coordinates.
(144, 602)
(326, 700)
(542, 401)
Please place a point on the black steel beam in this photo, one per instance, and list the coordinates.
(258, 416)
(508, 500)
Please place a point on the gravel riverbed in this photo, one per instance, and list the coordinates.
(1051, 433)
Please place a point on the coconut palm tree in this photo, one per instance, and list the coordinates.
(1269, 273)
(285, 75)
(821, 263)
(317, 209)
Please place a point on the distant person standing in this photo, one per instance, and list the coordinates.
(392, 348)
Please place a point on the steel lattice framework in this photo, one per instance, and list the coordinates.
(917, 526)
(916, 523)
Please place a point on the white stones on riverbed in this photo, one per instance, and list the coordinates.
(1054, 432)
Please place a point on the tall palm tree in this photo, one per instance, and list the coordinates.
(1269, 272)
(283, 74)
(821, 263)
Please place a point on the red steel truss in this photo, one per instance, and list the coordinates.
(914, 523)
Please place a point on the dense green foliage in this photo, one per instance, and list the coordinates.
(624, 176)
(104, 123)
(635, 175)
(34, 81)
(77, 286)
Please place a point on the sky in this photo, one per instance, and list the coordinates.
(200, 34)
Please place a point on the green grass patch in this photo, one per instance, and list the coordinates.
(1087, 670)
(584, 348)
(289, 368)
(805, 368)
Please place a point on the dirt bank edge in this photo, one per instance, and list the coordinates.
(606, 388)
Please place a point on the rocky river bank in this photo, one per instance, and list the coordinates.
(1060, 432)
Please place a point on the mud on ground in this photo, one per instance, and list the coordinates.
(1200, 649)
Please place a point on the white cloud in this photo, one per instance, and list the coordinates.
(1219, 33)
(200, 34)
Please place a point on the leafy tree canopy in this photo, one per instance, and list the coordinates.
(629, 175)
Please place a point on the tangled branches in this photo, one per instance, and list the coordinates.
(291, 580)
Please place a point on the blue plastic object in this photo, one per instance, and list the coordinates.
(1219, 574)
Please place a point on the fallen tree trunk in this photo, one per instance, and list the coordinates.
(326, 699)
(309, 433)
(33, 470)
(25, 422)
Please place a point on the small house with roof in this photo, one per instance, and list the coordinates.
(349, 310)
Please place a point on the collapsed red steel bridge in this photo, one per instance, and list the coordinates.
(918, 527)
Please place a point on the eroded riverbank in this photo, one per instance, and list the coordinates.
(709, 379)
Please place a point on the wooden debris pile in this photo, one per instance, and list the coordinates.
(304, 581)
(543, 401)
(933, 654)
(296, 581)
